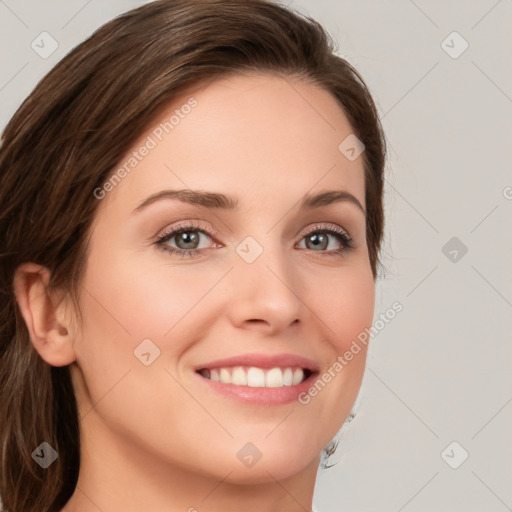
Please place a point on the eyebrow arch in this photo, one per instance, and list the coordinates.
(311, 201)
(217, 200)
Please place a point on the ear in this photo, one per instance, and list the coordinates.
(44, 312)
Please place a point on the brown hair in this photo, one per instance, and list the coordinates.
(67, 138)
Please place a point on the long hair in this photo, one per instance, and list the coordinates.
(65, 141)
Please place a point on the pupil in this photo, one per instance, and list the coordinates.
(318, 240)
(187, 238)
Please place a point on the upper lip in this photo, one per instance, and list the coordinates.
(262, 361)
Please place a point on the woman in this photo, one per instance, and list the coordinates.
(191, 223)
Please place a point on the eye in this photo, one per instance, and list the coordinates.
(318, 240)
(187, 240)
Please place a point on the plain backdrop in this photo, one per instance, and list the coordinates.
(433, 419)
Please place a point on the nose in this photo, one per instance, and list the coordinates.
(264, 294)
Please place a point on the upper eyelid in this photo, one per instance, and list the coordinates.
(188, 224)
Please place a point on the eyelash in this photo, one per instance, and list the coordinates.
(342, 236)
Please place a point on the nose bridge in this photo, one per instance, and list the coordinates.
(264, 283)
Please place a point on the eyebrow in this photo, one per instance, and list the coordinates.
(221, 201)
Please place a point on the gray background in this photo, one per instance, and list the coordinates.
(440, 371)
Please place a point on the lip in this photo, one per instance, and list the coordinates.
(260, 396)
(265, 361)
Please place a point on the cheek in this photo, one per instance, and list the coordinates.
(144, 296)
(122, 305)
(345, 310)
(346, 305)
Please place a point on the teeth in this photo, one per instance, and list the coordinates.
(256, 377)
(298, 375)
(274, 378)
(239, 377)
(288, 377)
(225, 377)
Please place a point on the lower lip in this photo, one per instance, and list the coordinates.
(260, 396)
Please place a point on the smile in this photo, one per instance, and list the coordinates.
(258, 379)
(255, 377)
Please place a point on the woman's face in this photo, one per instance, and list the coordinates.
(266, 282)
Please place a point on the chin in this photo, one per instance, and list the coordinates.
(255, 462)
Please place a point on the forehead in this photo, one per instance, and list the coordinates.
(250, 136)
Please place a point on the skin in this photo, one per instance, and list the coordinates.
(153, 437)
